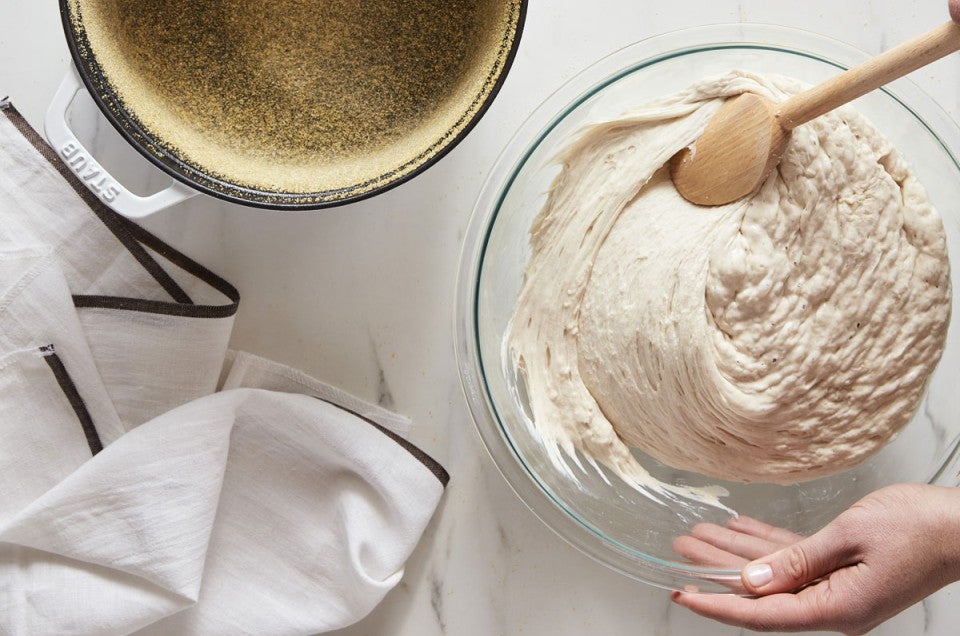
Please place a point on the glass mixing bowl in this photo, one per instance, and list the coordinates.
(594, 511)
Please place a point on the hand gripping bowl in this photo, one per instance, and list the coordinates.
(597, 513)
(283, 104)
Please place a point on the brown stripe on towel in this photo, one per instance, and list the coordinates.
(431, 464)
(73, 396)
(153, 306)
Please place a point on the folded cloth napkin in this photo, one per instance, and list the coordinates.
(154, 481)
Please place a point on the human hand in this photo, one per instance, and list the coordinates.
(886, 552)
(954, 10)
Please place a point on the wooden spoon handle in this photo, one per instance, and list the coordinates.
(870, 75)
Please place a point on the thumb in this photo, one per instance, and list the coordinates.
(954, 10)
(799, 564)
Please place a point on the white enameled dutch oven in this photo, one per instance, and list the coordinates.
(290, 104)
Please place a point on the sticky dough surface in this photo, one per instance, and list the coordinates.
(780, 338)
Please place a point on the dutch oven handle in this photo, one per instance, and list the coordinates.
(89, 170)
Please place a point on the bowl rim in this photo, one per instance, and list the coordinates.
(554, 109)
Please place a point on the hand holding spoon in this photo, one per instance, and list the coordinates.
(743, 142)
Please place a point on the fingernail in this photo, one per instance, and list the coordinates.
(758, 574)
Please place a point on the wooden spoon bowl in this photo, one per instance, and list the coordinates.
(744, 141)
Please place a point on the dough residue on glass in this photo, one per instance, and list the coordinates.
(783, 337)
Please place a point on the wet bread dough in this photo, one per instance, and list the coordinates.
(783, 337)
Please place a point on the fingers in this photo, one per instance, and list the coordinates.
(781, 560)
(738, 543)
(801, 563)
(780, 612)
(759, 529)
(744, 539)
(705, 555)
(955, 10)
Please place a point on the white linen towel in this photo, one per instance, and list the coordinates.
(154, 482)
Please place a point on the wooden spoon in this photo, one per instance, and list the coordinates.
(743, 142)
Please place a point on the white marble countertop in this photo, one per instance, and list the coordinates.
(362, 296)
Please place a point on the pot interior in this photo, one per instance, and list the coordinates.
(293, 102)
